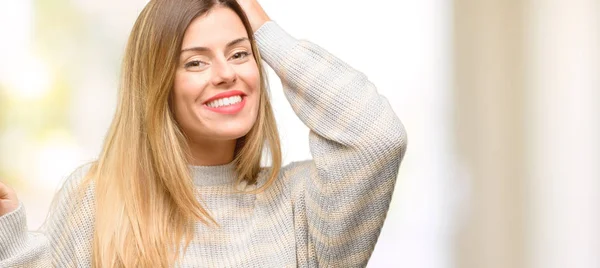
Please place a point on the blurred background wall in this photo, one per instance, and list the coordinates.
(500, 98)
(527, 97)
(489, 96)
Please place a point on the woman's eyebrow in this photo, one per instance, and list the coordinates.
(230, 44)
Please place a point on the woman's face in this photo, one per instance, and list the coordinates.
(217, 82)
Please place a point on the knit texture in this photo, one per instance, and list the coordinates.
(324, 212)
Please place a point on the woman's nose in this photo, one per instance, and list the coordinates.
(223, 73)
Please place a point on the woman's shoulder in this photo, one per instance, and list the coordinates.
(290, 169)
(78, 174)
(297, 168)
(290, 175)
(75, 181)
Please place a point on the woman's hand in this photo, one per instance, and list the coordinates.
(256, 14)
(8, 199)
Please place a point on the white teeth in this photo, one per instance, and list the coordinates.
(224, 101)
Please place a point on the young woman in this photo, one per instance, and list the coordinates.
(179, 181)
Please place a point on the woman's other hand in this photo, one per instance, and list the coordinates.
(256, 14)
(8, 199)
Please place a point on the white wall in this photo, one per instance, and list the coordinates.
(564, 116)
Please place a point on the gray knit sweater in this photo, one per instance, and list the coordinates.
(325, 212)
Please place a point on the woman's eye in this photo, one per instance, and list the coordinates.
(195, 63)
(240, 55)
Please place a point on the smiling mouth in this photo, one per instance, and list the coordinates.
(225, 98)
(230, 105)
(223, 102)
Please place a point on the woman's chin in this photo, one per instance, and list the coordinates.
(230, 134)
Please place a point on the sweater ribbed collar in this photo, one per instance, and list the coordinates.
(214, 175)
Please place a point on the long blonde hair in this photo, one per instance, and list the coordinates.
(145, 201)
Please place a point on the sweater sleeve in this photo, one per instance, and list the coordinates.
(58, 242)
(357, 144)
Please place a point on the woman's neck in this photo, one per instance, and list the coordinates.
(212, 152)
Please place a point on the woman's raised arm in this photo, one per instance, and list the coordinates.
(357, 143)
